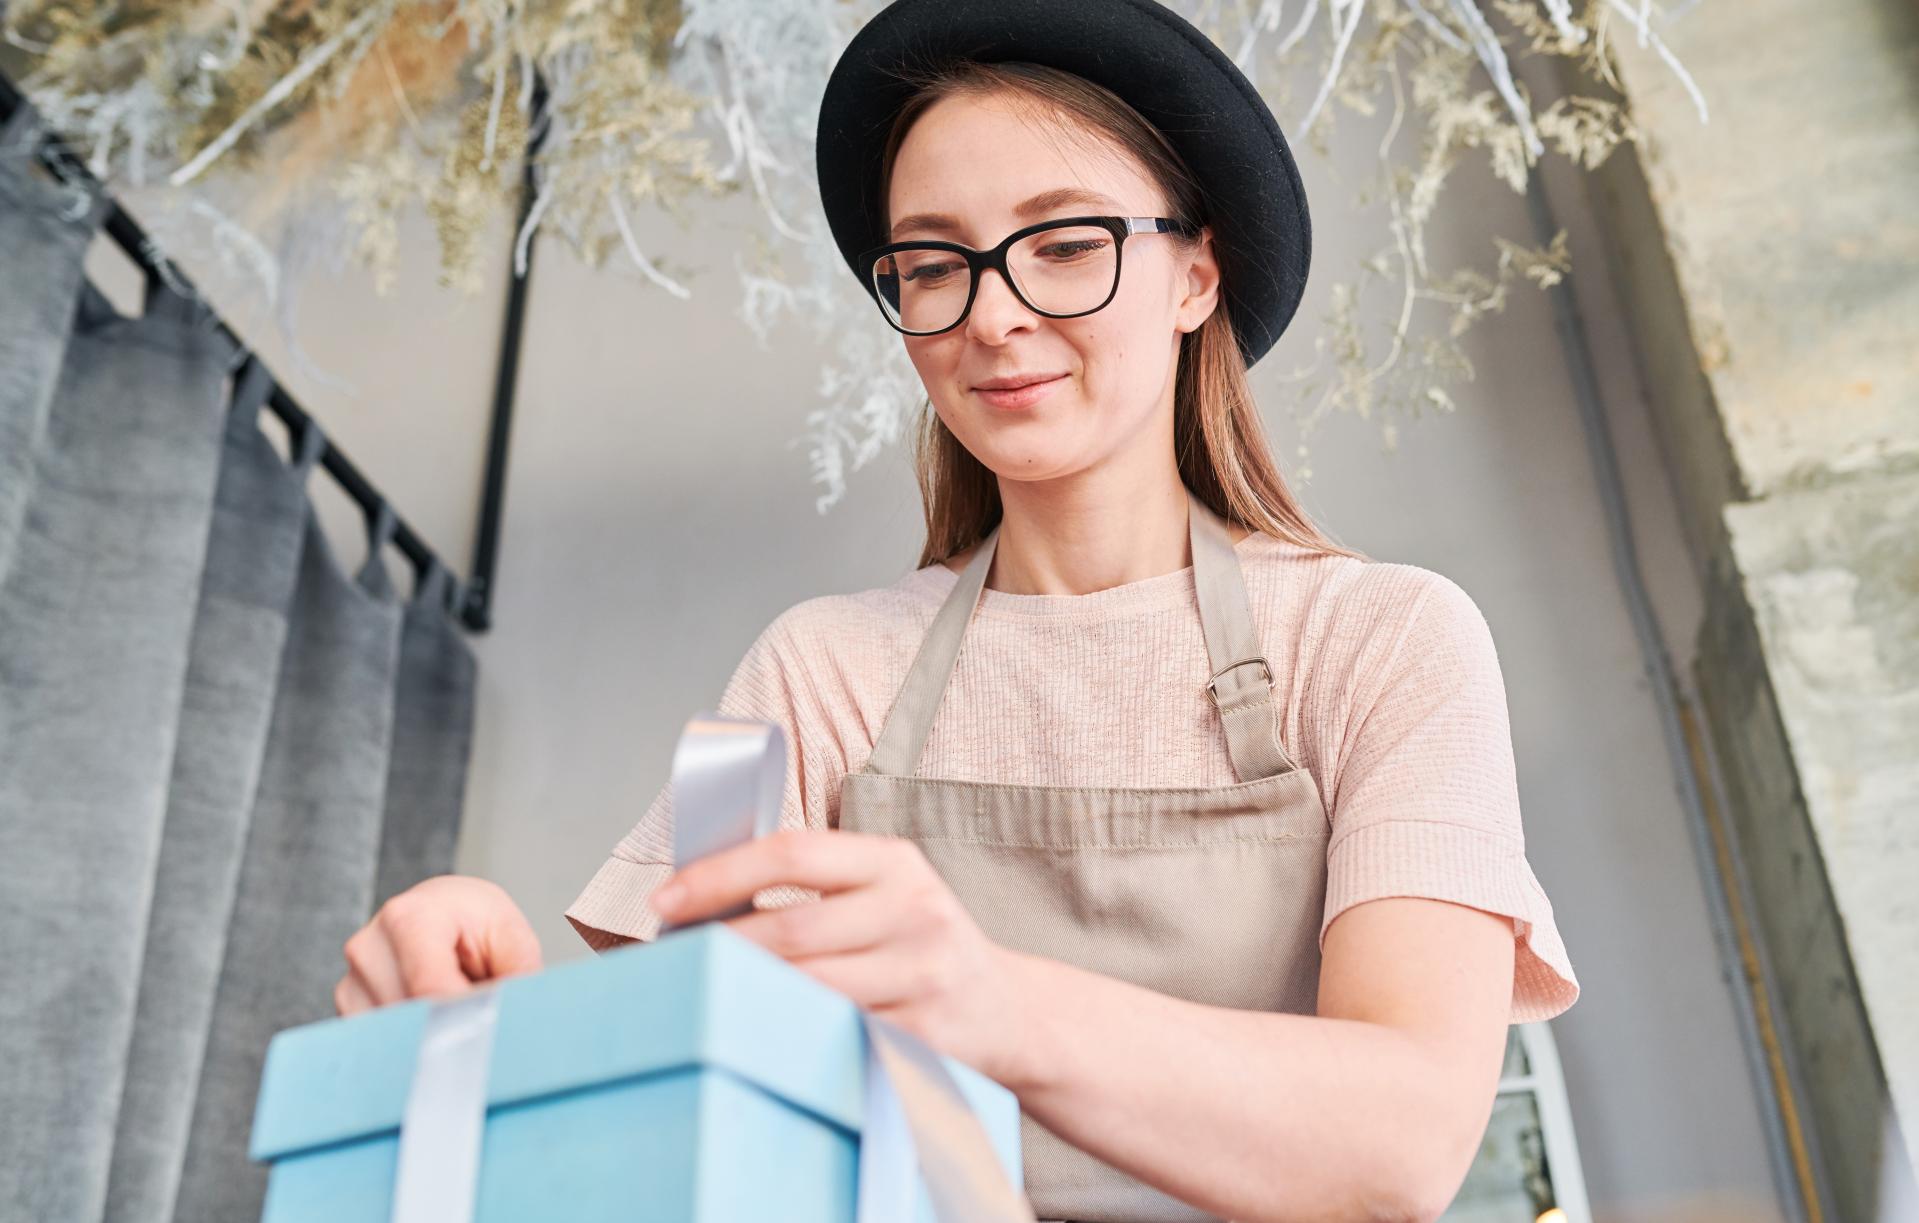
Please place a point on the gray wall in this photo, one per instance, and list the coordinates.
(658, 518)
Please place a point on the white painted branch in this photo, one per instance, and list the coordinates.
(633, 248)
(1493, 56)
(1435, 26)
(1561, 14)
(1299, 28)
(1266, 20)
(274, 96)
(534, 215)
(1665, 53)
(1354, 10)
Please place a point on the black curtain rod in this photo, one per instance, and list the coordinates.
(127, 234)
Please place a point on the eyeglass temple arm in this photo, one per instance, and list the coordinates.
(1156, 225)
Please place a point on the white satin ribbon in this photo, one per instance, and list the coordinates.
(445, 1118)
(918, 1121)
(728, 776)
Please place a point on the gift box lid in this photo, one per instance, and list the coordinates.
(698, 997)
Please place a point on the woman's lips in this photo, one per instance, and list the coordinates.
(1022, 396)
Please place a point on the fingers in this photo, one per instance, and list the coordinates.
(425, 946)
(872, 979)
(847, 922)
(512, 948)
(370, 963)
(437, 938)
(825, 861)
(350, 996)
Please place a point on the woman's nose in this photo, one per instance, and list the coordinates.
(996, 309)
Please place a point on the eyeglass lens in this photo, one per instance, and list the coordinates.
(1058, 271)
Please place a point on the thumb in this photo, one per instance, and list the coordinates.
(504, 947)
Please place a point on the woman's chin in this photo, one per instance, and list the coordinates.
(1020, 446)
(1028, 466)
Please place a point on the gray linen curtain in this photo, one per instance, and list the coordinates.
(218, 751)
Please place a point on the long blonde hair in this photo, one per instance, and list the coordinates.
(1222, 452)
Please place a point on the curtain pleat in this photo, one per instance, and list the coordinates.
(44, 239)
(432, 738)
(232, 675)
(96, 613)
(218, 751)
(312, 850)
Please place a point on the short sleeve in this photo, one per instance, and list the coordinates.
(769, 686)
(1426, 801)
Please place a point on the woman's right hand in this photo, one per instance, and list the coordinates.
(440, 937)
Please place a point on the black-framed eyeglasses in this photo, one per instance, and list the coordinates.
(1062, 269)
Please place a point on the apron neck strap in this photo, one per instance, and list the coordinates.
(1242, 681)
(897, 753)
(1241, 684)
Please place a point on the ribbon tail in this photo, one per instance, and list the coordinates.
(889, 1166)
(925, 1123)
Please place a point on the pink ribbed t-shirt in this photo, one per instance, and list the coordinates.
(1391, 691)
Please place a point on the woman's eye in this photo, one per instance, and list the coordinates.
(932, 273)
(1071, 250)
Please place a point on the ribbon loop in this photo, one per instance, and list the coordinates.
(728, 776)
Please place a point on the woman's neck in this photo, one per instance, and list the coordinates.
(1074, 537)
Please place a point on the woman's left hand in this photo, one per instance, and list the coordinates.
(887, 932)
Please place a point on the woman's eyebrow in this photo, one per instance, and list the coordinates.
(1044, 202)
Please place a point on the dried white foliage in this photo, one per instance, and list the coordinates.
(1436, 69)
(148, 86)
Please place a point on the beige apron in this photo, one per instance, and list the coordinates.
(1212, 894)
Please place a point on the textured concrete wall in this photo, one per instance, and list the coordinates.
(1791, 224)
(1831, 577)
(1839, 1085)
(1770, 259)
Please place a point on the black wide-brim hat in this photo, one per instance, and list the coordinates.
(1151, 57)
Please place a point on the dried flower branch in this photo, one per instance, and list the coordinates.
(1422, 68)
(366, 108)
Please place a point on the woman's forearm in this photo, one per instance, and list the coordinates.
(1257, 1117)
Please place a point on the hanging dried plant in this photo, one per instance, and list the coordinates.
(364, 109)
(386, 104)
(1434, 72)
(1435, 75)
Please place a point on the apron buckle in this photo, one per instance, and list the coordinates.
(1212, 685)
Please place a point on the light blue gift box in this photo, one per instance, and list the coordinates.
(696, 1079)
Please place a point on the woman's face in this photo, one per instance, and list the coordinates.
(972, 170)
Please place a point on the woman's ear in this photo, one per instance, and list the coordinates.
(1201, 284)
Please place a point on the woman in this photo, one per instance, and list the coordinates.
(1206, 843)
